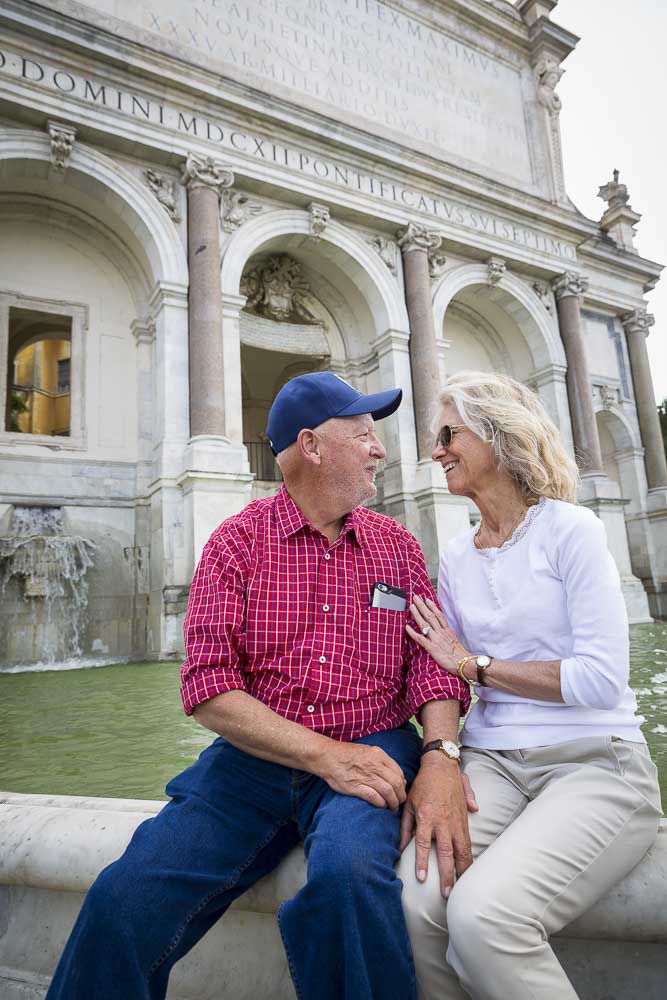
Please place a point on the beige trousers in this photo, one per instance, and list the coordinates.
(557, 826)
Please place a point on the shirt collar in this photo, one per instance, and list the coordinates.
(291, 519)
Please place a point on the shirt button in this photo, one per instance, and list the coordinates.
(327, 555)
(323, 659)
(325, 607)
(311, 708)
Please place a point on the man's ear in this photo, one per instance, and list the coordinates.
(309, 446)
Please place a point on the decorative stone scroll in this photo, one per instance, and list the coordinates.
(206, 172)
(415, 237)
(569, 283)
(319, 216)
(495, 268)
(164, 190)
(62, 143)
(235, 209)
(386, 250)
(277, 290)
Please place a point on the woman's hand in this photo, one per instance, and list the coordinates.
(440, 642)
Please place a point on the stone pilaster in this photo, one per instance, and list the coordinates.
(568, 288)
(205, 179)
(415, 243)
(144, 336)
(636, 325)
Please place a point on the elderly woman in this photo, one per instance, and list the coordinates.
(534, 618)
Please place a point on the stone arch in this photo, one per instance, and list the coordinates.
(355, 288)
(104, 190)
(342, 247)
(516, 299)
(622, 452)
(623, 435)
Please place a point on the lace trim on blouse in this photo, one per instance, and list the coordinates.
(518, 533)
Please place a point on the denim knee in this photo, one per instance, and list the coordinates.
(115, 897)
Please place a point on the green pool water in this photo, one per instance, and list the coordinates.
(120, 731)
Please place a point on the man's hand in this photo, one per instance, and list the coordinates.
(437, 809)
(367, 772)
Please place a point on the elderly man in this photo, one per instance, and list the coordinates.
(297, 658)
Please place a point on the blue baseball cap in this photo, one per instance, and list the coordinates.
(309, 400)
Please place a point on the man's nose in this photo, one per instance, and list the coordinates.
(378, 448)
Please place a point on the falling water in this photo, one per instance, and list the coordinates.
(50, 567)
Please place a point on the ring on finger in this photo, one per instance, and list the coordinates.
(425, 631)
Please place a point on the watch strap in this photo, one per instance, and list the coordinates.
(436, 745)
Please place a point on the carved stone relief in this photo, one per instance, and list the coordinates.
(62, 143)
(495, 268)
(165, 191)
(606, 395)
(615, 194)
(541, 289)
(319, 219)
(386, 250)
(415, 237)
(205, 171)
(235, 208)
(437, 263)
(277, 290)
(548, 74)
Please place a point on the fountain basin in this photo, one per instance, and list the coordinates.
(52, 848)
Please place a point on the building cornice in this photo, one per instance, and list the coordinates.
(71, 37)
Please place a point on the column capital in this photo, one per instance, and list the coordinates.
(569, 283)
(416, 237)
(206, 172)
(637, 321)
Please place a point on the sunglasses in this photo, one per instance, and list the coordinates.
(446, 433)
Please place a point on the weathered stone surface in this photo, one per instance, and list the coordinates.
(52, 847)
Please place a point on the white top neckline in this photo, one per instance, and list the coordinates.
(516, 536)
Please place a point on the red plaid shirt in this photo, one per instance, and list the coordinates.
(277, 611)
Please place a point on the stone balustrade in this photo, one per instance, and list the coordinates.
(52, 847)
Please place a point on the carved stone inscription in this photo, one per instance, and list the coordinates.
(367, 59)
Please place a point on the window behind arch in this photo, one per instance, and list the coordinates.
(39, 353)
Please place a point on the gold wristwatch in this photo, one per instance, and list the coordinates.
(447, 747)
(482, 661)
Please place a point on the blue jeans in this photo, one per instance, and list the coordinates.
(231, 819)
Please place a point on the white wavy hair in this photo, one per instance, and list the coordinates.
(524, 438)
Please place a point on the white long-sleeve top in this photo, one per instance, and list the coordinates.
(551, 593)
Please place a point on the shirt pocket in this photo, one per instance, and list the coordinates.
(379, 641)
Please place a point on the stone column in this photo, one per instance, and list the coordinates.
(568, 287)
(415, 243)
(205, 180)
(636, 325)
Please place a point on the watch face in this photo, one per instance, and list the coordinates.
(450, 749)
(483, 661)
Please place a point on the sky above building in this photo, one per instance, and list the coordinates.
(613, 117)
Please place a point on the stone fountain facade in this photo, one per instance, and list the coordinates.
(196, 224)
